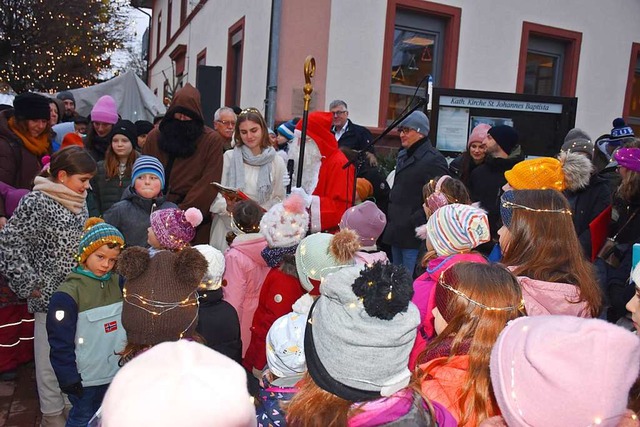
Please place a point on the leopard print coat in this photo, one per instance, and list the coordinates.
(37, 246)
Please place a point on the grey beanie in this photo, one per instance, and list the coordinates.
(418, 121)
(65, 94)
(361, 332)
(577, 141)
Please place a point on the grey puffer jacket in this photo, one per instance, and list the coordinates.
(131, 215)
(37, 247)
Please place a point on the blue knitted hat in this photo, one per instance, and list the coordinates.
(147, 164)
(619, 132)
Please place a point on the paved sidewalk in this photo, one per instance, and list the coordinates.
(19, 405)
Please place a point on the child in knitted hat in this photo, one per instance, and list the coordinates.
(115, 171)
(571, 171)
(132, 214)
(452, 233)
(356, 345)
(283, 226)
(286, 366)
(561, 371)
(474, 302)
(245, 268)
(218, 321)
(368, 221)
(160, 296)
(320, 254)
(84, 322)
(173, 229)
(179, 384)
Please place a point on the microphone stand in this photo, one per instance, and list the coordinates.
(360, 159)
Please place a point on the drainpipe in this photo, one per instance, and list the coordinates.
(272, 67)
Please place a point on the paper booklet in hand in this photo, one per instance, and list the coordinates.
(230, 193)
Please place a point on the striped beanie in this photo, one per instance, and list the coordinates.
(286, 129)
(97, 233)
(147, 164)
(457, 228)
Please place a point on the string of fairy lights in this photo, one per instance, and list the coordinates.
(50, 45)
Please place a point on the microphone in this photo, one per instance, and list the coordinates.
(290, 172)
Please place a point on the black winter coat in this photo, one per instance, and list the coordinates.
(131, 216)
(486, 185)
(356, 137)
(586, 204)
(219, 325)
(405, 211)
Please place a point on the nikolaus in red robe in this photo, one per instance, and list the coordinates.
(330, 186)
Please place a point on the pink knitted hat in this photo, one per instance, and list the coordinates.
(366, 220)
(478, 134)
(563, 371)
(105, 110)
(179, 383)
(175, 228)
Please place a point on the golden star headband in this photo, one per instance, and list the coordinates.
(510, 205)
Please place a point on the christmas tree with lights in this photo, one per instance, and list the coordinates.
(52, 45)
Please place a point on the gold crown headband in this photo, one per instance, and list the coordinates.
(442, 283)
(249, 110)
(511, 205)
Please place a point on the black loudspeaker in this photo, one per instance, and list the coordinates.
(209, 83)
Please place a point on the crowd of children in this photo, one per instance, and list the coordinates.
(281, 326)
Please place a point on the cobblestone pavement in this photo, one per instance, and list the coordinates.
(19, 405)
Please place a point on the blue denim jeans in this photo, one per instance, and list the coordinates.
(406, 257)
(84, 407)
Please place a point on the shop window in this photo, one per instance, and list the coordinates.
(631, 108)
(234, 63)
(421, 42)
(548, 60)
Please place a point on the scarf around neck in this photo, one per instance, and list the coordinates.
(242, 154)
(68, 198)
(38, 146)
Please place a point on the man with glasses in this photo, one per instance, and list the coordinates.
(418, 163)
(346, 132)
(224, 122)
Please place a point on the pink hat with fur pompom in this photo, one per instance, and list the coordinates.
(175, 228)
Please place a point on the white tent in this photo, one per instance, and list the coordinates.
(134, 99)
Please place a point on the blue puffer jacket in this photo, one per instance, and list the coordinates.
(131, 215)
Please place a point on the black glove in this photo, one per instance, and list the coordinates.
(73, 389)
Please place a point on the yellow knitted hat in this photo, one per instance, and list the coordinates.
(537, 174)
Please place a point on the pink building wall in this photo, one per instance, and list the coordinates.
(304, 31)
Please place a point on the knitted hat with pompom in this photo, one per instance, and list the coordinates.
(97, 233)
(175, 228)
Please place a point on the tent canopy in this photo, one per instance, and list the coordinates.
(134, 99)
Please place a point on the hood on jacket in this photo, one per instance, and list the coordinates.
(5, 131)
(251, 245)
(577, 170)
(187, 97)
(437, 266)
(542, 298)
(319, 129)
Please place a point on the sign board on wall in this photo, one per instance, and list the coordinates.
(541, 121)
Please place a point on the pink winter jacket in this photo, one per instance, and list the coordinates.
(245, 272)
(542, 298)
(424, 297)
